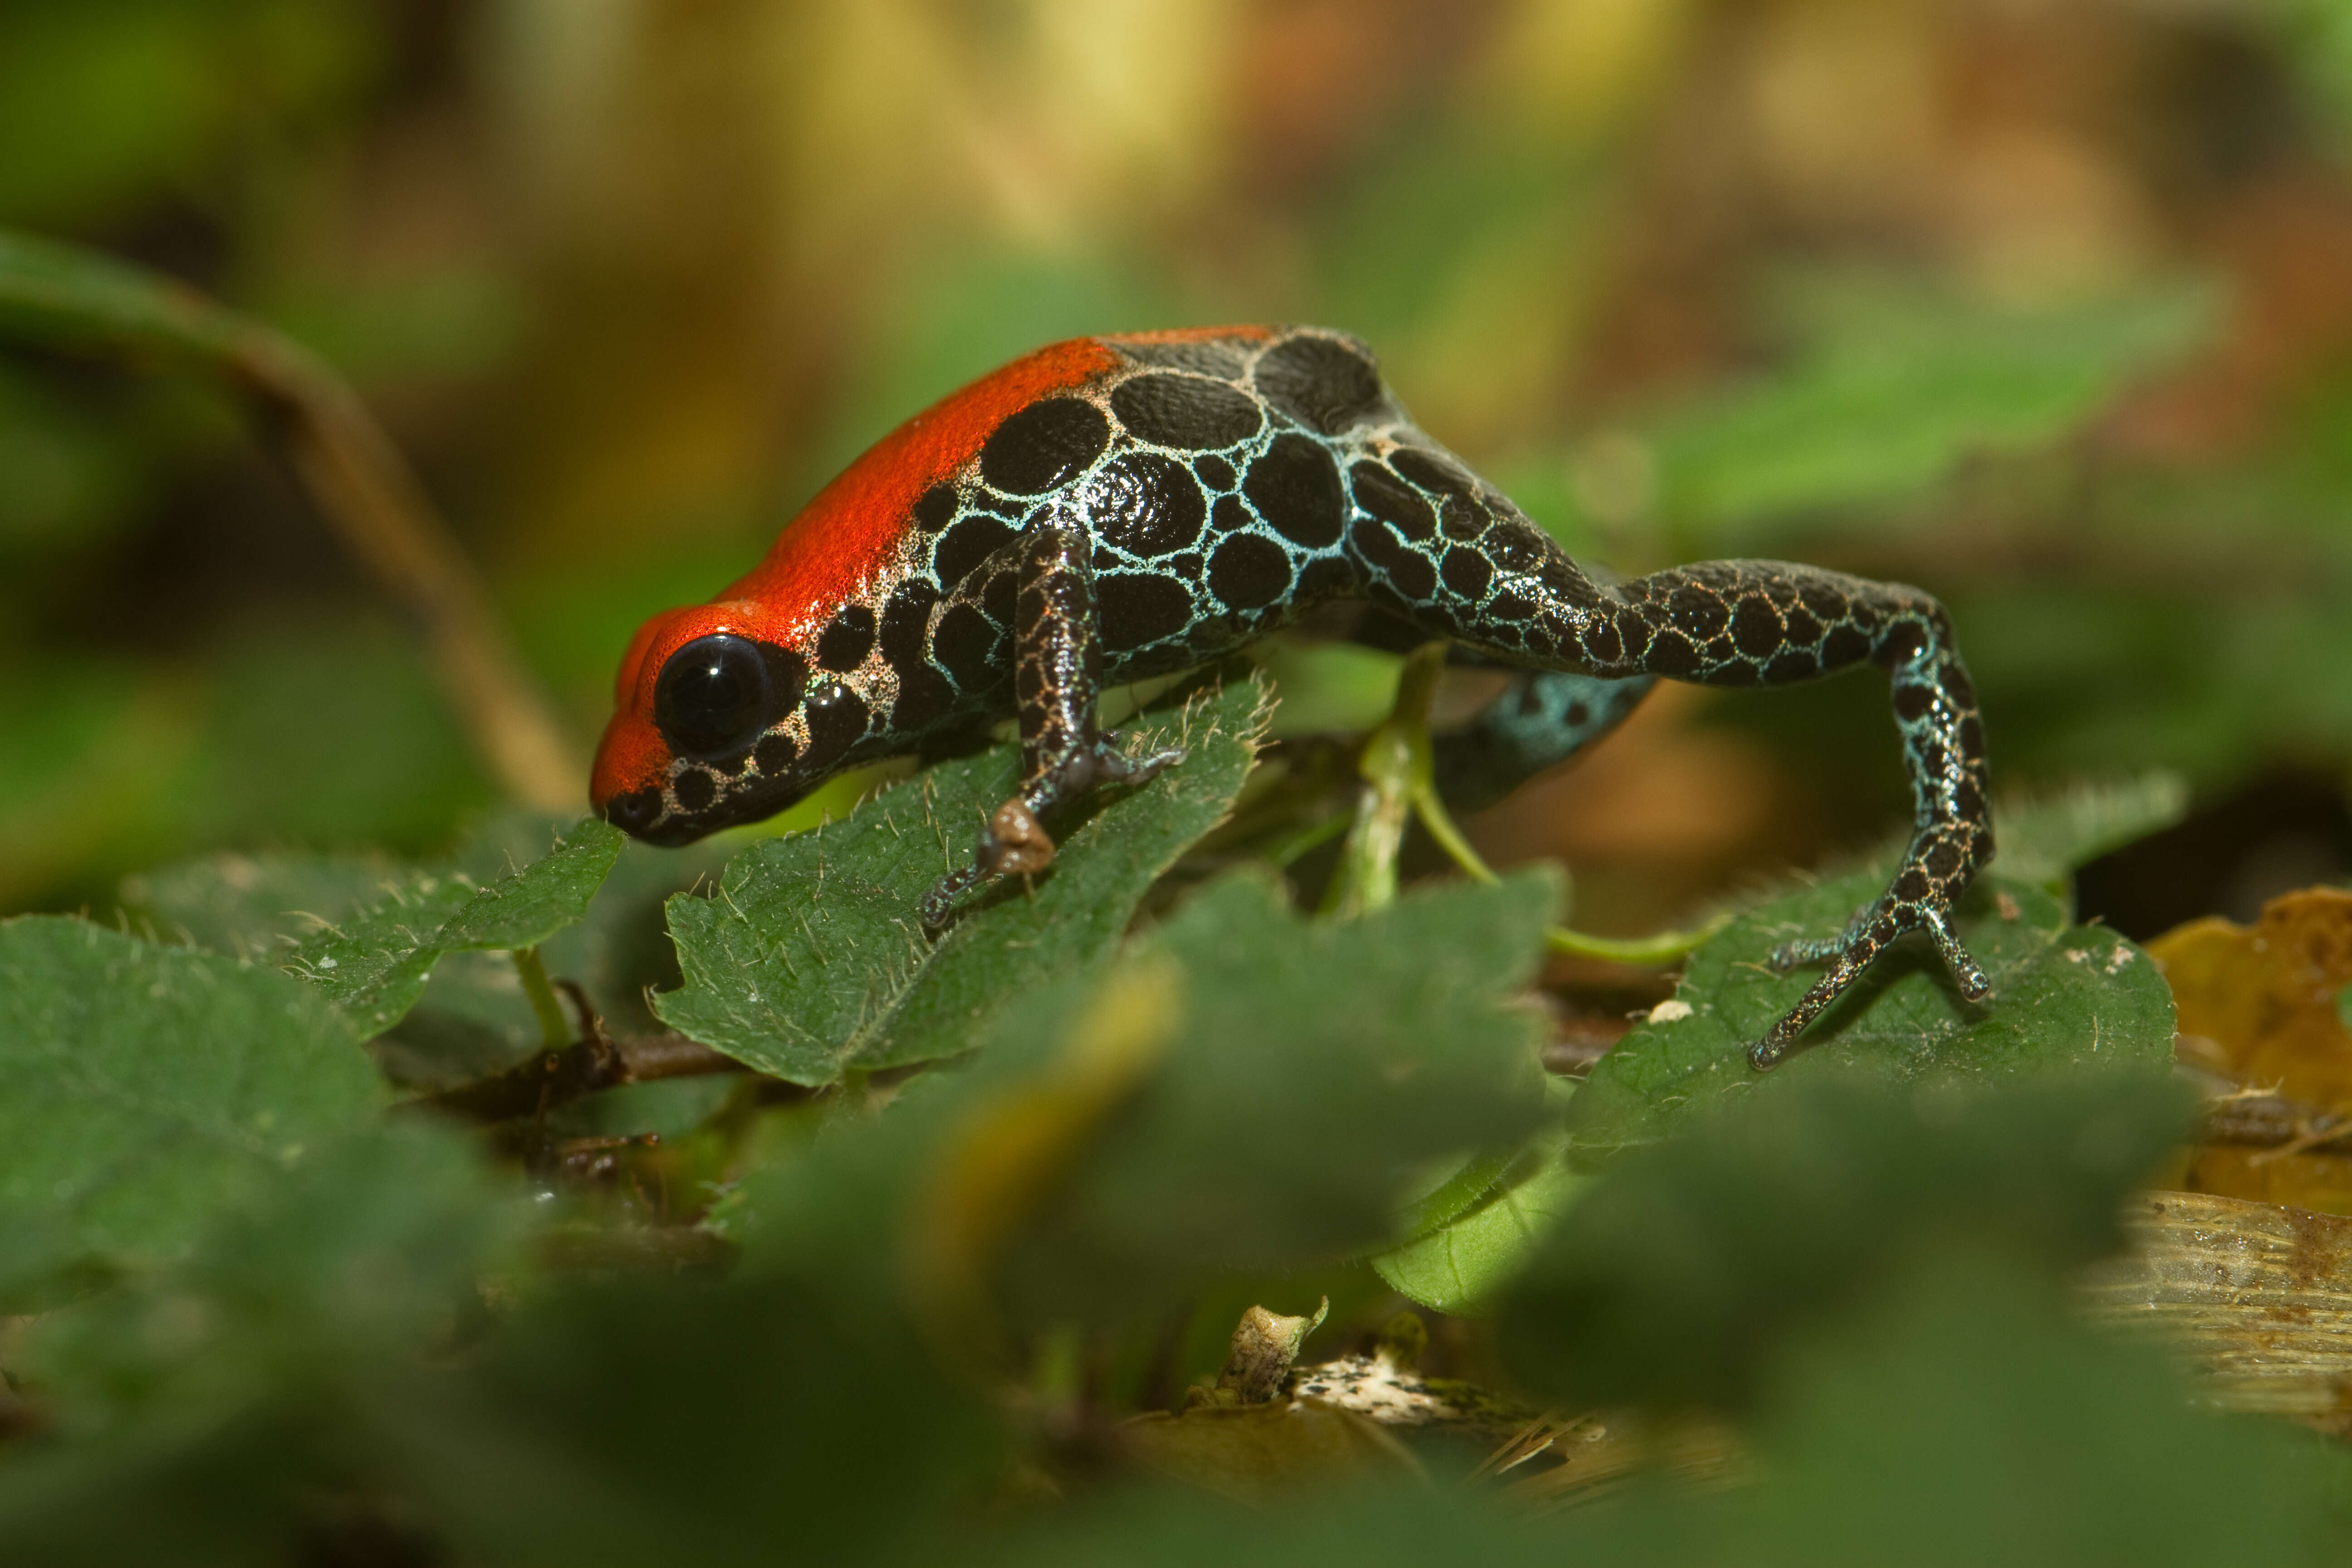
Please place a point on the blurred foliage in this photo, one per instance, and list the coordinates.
(280, 1325)
(2038, 306)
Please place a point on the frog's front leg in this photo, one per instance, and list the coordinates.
(1056, 685)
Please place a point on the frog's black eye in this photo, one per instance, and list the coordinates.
(714, 694)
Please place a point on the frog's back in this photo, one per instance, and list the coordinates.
(1205, 463)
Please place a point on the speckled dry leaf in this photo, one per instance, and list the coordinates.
(2265, 994)
(2259, 1295)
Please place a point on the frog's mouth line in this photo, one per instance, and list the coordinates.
(654, 815)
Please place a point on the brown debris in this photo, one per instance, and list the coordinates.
(1240, 1438)
(2258, 1005)
(2259, 1295)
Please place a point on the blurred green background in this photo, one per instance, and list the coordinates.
(2046, 305)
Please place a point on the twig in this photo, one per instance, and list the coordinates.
(556, 1077)
(70, 298)
(2273, 1122)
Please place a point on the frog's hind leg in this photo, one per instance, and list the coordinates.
(1765, 623)
(1539, 720)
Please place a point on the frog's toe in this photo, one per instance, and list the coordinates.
(1791, 955)
(1975, 984)
(1115, 766)
(938, 906)
(1795, 955)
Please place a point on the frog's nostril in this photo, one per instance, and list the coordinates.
(633, 811)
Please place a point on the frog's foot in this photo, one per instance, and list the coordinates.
(1015, 844)
(1112, 765)
(1918, 900)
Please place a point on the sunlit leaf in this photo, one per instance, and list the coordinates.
(1478, 1229)
(810, 959)
(376, 962)
(2063, 995)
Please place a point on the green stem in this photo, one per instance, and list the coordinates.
(1665, 947)
(554, 1028)
(1396, 768)
(1430, 809)
(1298, 841)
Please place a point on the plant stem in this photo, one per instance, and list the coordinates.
(554, 1028)
(1664, 948)
(1399, 768)
(66, 296)
(1396, 767)
(1430, 809)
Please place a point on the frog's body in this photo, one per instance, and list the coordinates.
(1110, 508)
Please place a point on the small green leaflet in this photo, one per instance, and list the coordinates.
(375, 963)
(1460, 1243)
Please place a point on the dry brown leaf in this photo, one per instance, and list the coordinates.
(2260, 1295)
(2258, 1003)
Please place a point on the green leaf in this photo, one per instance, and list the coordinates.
(767, 1422)
(230, 1392)
(66, 295)
(1674, 1277)
(374, 964)
(2063, 995)
(1244, 1093)
(142, 1089)
(809, 961)
(1896, 386)
(255, 905)
(472, 1017)
(2042, 840)
(360, 1250)
(1466, 1240)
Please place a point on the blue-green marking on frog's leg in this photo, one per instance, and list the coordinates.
(1765, 623)
(1195, 491)
(1539, 720)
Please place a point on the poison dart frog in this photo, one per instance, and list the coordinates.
(1115, 507)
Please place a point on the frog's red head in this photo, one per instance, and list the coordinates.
(710, 723)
